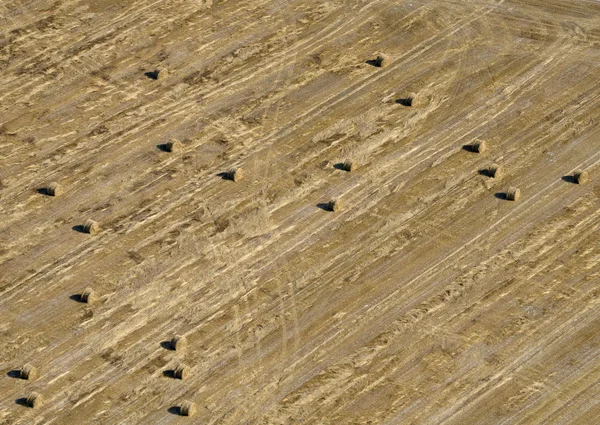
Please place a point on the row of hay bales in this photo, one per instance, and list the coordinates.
(178, 343)
(496, 171)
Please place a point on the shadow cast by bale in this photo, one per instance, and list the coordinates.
(22, 401)
(339, 166)
(569, 179)
(324, 206)
(43, 191)
(14, 374)
(162, 147)
(153, 75)
(167, 345)
(79, 228)
(374, 62)
(175, 410)
(405, 101)
(470, 148)
(501, 195)
(170, 373)
(485, 172)
(77, 298)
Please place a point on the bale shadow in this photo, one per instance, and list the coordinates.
(569, 179)
(22, 401)
(77, 298)
(501, 195)
(170, 373)
(14, 374)
(175, 410)
(324, 206)
(484, 172)
(226, 175)
(374, 62)
(153, 75)
(166, 345)
(469, 148)
(79, 228)
(43, 191)
(339, 166)
(405, 101)
(162, 147)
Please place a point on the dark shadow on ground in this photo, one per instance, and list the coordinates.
(569, 179)
(166, 345)
(78, 228)
(175, 410)
(406, 101)
(77, 297)
(500, 195)
(22, 401)
(374, 62)
(14, 374)
(324, 206)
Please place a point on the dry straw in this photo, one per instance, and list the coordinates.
(187, 408)
(334, 205)
(349, 165)
(174, 145)
(91, 227)
(35, 400)
(495, 171)
(178, 343)
(513, 194)
(382, 60)
(581, 177)
(236, 175)
(55, 189)
(89, 296)
(479, 146)
(181, 372)
(28, 372)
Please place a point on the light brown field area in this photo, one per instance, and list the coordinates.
(428, 298)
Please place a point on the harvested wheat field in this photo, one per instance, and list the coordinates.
(427, 297)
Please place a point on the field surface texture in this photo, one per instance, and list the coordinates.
(426, 297)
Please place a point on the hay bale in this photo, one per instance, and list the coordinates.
(381, 61)
(179, 343)
(28, 372)
(236, 175)
(35, 400)
(89, 296)
(581, 177)
(173, 145)
(414, 100)
(55, 189)
(349, 165)
(181, 372)
(513, 194)
(479, 146)
(161, 73)
(334, 205)
(187, 408)
(495, 171)
(91, 227)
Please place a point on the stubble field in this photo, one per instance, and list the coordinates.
(428, 298)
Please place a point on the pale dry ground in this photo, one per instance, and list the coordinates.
(428, 299)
